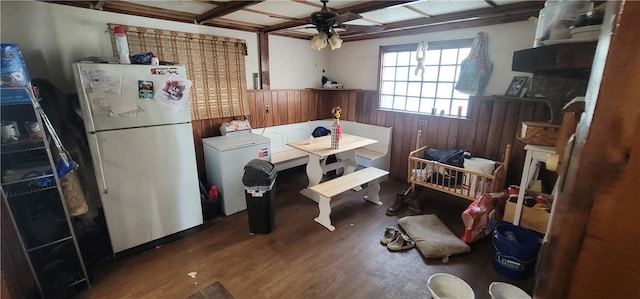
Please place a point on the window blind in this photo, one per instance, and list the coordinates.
(214, 64)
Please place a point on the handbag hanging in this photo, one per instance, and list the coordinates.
(475, 70)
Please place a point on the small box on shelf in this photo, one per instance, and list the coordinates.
(530, 218)
(539, 133)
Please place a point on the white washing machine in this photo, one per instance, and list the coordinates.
(225, 158)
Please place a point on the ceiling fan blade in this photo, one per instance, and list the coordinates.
(345, 17)
(362, 28)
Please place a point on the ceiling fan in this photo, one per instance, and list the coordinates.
(326, 21)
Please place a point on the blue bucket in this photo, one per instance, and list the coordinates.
(516, 251)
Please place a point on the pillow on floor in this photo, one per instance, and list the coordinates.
(433, 238)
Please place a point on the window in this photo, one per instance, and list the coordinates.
(402, 89)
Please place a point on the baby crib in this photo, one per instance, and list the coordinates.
(454, 180)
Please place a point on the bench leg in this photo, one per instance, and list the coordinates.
(374, 192)
(324, 205)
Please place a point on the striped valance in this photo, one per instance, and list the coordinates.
(214, 64)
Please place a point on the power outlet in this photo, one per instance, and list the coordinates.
(267, 108)
(422, 122)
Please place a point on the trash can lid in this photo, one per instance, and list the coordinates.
(259, 173)
(261, 165)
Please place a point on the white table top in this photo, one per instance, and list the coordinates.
(321, 146)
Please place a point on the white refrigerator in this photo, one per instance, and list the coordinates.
(138, 127)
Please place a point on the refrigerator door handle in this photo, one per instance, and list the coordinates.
(95, 149)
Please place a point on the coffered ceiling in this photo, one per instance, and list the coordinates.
(291, 17)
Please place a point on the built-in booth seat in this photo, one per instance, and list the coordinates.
(285, 157)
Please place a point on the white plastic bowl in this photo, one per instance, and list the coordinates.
(443, 285)
(503, 290)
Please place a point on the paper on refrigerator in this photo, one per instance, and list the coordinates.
(104, 90)
(175, 92)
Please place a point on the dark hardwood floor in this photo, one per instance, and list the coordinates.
(300, 258)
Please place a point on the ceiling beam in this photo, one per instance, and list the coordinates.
(450, 25)
(224, 9)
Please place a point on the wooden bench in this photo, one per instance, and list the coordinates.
(331, 188)
(282, 155)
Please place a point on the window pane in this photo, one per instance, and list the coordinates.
(449, 56)
(443, 104)
(399, 103)
(413, 76)
(460, 103)
(430, 73)
(389, 59)
(388, 73)
(413, 104)
(429, 90)
(402, 73)
(387, 87)
(414, 89)
(401, 88)
(432, 57)
(459, 95)
(445, 90)
(447, 73)
(386, 102)
(426, 105)
(458, 67)
(464, 52)
(404, 58)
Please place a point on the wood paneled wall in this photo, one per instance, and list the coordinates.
(492, 123)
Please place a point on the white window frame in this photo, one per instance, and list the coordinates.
(416, 92)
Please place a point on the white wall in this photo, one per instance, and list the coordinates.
(503, 40)
(292, 65)
(52, 36)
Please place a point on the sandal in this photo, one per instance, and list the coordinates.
(401, 242)
(390, 234)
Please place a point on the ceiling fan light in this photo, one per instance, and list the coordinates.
(319, 41)
(335, 41)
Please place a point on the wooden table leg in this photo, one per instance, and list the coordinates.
(324, 205)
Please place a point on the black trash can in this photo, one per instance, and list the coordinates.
(258, 180)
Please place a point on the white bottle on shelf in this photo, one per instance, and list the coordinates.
(122, 45)
(155, 60)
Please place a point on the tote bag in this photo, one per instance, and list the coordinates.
(475, 70)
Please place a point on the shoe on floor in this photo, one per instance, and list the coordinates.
(390, 233)
(401, 242)
(413, 203)
(398, 206)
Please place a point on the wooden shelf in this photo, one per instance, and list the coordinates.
(559, 58)
(508, 98)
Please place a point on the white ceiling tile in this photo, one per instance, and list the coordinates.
(391, 14)
(441, 7)
(284, 8)
(253, 18)
(505, 2)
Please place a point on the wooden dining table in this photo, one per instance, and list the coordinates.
(320, 148)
